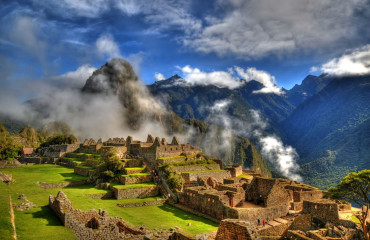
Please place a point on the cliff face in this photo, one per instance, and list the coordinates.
(117, 78)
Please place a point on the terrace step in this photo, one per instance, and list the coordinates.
(84, 170)
(135, 178)
(71, 162)
(93, 162)
(134, 170)
(135, 190)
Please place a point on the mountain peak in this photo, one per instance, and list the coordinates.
(111, 77)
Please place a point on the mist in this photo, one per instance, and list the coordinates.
(282, 157)
(115, 103)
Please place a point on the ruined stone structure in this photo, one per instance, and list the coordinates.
(231, 229)
(97, 225)
(154, 149)
(92, 224)
(266, 192)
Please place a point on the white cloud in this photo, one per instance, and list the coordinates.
(72, 8)
(254, 29)
(357, 62)
(75, 79)
(314, 69)
(260, 76)
(194, 76)
(107, 47)
(159, 76)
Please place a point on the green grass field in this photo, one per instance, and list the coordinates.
(41, 222)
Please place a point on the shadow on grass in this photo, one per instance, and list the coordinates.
(46, 213)
(72, 177)
(185, 215)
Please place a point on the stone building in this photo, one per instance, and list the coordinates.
(266, 192)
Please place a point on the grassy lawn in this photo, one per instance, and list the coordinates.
(138, 185)
(41, 222)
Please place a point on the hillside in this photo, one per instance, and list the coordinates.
(196, 101)
(309, 87)
(330, 130)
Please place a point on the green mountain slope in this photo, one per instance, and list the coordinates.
(332, 129)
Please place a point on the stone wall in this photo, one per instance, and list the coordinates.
(302, 222)
(142, 192)
(61, 185)
(101, 195)
(133, 162)
(235, 170)
(300, 196)
(233, 229)
(188, 168)
(136, 179)
(277, 230)
(83, 171)
(193, 176)
(57, 151)
(296, 235)
(91, 224)
(141, 204)
(36, 160)
(252, 214)
(266, 192)
(324, 210)
(216, 206)
(121, 150)
(296, 206)
(93, 163)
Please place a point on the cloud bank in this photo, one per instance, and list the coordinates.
(222, 79)
(355, 62)
(281, 156)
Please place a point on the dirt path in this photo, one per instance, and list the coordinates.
(12, 217)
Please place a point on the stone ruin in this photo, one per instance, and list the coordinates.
(95, 225)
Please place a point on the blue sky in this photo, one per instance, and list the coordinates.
(285, 39)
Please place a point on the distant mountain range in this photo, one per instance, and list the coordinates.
(326, 118)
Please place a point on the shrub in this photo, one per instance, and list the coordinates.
(111, 167)
(175, 181)
(59, 139)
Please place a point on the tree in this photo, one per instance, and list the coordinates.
(355, 187)
(111, 168)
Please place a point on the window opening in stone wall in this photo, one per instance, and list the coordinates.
(93, 223)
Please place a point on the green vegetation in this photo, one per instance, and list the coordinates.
(8, 147)
(175, 181)
(111, 168)
(42, 224)
(60, 139)
(138, 185)
(355, 187)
